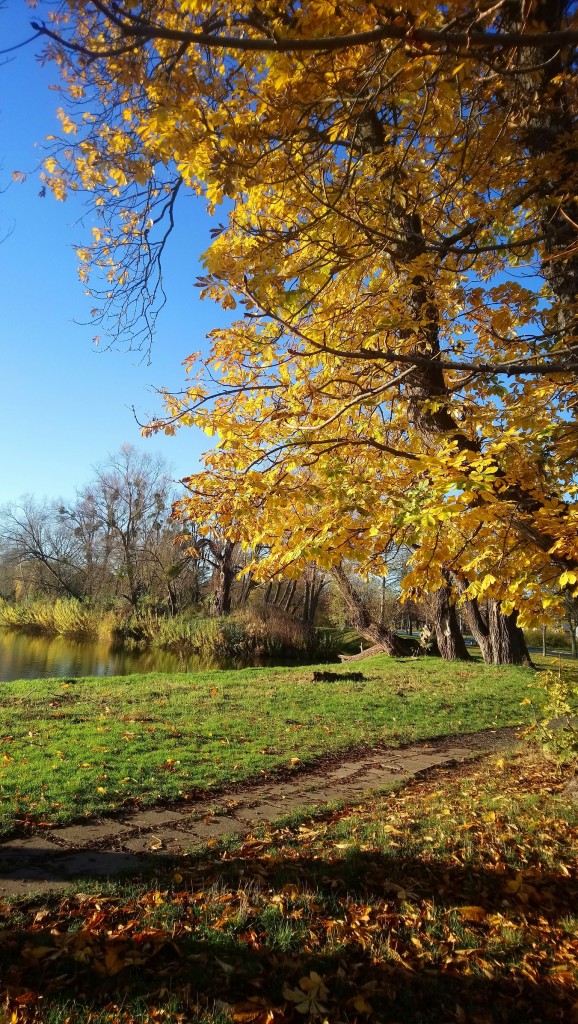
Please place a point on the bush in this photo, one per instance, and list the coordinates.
(556, 639)
(555, 729)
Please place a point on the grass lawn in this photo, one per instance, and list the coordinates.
(92, 746)
(452, 900)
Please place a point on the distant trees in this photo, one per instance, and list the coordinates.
(128, 502)
(46, 557)
(115, 539)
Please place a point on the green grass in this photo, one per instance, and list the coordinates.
(92, 746)
(448, 900)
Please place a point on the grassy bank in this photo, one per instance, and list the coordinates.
(450, 900)
(94, 745)
(245, 635)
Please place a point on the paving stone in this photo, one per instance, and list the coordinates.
(281, 791)
(85, 835)
(268, 812)
(18, 887)
(34, 848)
(320, 795)
(212, 827)
(37, 864)
(152, 819)
(159, 843)
(289, 803)
(343, 773)
(94, 862)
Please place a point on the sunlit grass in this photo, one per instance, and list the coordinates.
(94, 746)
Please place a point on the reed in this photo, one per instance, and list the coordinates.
(63, 617)
(246, 635)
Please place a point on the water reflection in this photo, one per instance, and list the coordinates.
(39, 657)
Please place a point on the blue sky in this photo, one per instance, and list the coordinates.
(64, 404)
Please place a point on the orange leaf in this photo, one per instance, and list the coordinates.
(475, 915)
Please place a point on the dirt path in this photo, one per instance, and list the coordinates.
(52, 858)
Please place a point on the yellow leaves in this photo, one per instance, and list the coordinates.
(308, 997)
(488, 581)
(472, 915)
(68, 125)
(118, 175)
(252, 1011)
(316, 255)
(567, 579)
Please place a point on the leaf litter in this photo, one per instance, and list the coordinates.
(453, 900)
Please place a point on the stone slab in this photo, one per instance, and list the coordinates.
(19, 887)
(154, 845)
(214, 827)
(36, 847)
(262, 812)
(164, 841)
(40, 863)
(86, 835)
(289, 803)
(344, 773)
(152, 818)
(93, 862)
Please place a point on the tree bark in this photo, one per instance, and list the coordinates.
(365, 624)
(222, 579)
(498, 636)
(450, 641)
(478, 628)
(506, 638)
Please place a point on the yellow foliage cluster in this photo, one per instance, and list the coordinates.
(398, 237)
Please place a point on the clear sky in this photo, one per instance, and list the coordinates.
(63, 403)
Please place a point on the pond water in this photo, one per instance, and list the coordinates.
(23, 656)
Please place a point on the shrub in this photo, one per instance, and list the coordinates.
(555, 728)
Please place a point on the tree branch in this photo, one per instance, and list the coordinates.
(138, 34)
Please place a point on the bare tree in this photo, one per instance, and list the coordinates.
(131, 498)
(40, 548)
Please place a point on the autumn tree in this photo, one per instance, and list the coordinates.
(388, 174)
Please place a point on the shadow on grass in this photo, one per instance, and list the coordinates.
(379, 929)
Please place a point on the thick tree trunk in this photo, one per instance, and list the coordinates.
(478, 628)
(498, 636)
(222, 584)
(365, 624)
(449, 638)
(508, 646)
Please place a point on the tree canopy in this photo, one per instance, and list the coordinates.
(398, 231)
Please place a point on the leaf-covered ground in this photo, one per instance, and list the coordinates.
(93, 746)
(454, 899)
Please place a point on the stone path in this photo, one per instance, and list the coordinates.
(53, 858)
